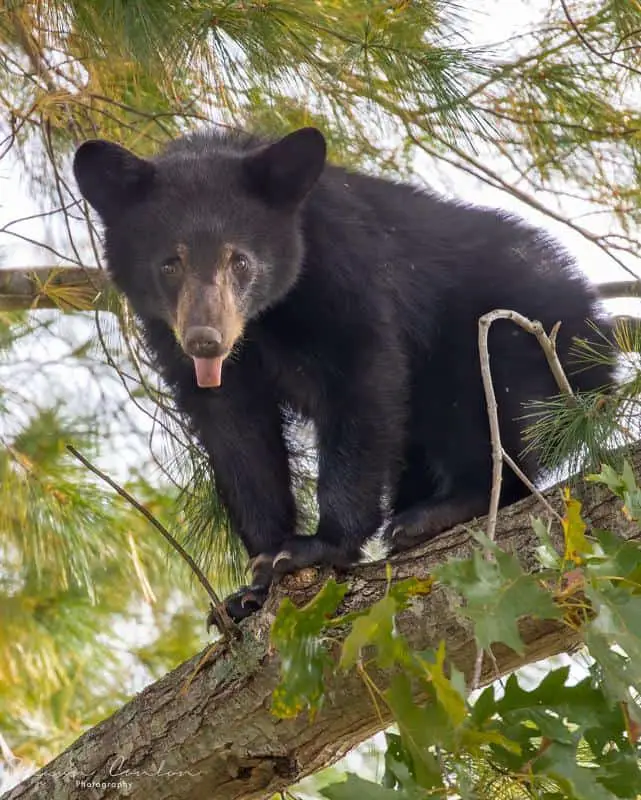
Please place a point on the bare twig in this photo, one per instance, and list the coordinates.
(548, 345)
(485, 323)
(539, 496)
(546, 342)
(219, 613)
(499, 455)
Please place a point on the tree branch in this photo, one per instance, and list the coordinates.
(211, 735)
(63, 288)
(89, 288)
(618, 289)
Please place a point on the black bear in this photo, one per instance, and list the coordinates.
(268, 282)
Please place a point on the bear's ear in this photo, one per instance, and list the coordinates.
(110, 178)
(284, 172)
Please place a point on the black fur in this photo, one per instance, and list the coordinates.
(361, 306)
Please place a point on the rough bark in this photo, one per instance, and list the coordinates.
(216, 739)
(22, 288)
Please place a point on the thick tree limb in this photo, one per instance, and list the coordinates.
(44, 287)
(216, 739)
(613, 290)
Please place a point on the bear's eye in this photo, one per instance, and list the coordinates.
(240, 262)
(170, 267)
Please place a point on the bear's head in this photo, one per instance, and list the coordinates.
(205, 236)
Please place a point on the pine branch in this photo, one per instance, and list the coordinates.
(608, 57)
(209, 732)
(218, 612)
(64, 288)
(31, 47)
(89, 288)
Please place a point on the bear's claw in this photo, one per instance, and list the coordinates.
(284, 555)
(246, 601)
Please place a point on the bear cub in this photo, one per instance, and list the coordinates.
(268, 282)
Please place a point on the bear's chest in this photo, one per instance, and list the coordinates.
(299, 381)
(297, 370)
(303, 356)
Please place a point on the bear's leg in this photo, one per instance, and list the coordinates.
(423, 522)
(468, 498)
(359, 441)
(241, 428)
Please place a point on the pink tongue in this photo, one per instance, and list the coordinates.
(208, 371)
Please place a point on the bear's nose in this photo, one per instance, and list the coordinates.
(201, 341)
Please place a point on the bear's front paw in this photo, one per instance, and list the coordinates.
(249, 599)
(244, 602)
(301, 552)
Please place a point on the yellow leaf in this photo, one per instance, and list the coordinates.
(448, 696)
(574, 529)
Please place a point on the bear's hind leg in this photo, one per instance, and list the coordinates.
(468, 498)
(424, 521)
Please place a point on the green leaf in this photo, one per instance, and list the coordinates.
(554, 713)
(621, 773)
(618, 560)
(451, 699)
(485, 706)
(624, 485)
(614, 670)
(617, 623)
(355, 788)
(376, 627)
(618, 616)
(546, 551)
(398, 762)
(579, 782)
(610, 477)
(498, 593)
(553, 702)
(421, 727)
(296, 634)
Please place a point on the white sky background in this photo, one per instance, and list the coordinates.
(491, 22)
